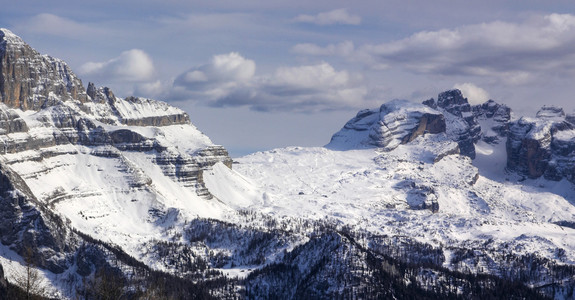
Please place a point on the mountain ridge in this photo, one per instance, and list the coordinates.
(102, 190)
(67, 151)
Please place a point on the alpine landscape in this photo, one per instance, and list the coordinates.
(104, 197)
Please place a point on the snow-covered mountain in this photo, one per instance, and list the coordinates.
(439, 199)
(75, 159)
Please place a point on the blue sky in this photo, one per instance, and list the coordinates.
(257, 75)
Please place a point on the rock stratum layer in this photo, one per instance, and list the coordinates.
(400, 122)
(394, 123)
(68, 154)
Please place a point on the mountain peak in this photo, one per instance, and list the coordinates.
(451, 97)
(31, 81)
(450, 100)
(7, 36)
(396, 122)
(551, 111)
(453, 102)
(141, 144)
(542, 146)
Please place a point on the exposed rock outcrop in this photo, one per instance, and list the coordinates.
(551, 112)
(24, 226)
(400, 122)
(3, 284)
(496, 117)
(31, 81)
(175, 117)
(542, 146)
(396, 122)
(462, 126)
(131, 111)
(10, 121)
(78, 117)
(419, 196)
(210, 155)
(182, 168)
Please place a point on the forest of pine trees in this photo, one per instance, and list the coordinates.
(330, 262)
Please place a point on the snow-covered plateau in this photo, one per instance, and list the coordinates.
(103, 197)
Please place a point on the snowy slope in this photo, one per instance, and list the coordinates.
(381, 192)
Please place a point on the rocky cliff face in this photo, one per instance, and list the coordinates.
(2, 280)
(25, 223)
(399, 122)
(32, 81)
(131, 111)
(394, 123)
(463, 127)
(65, 113)
(496, 117)
(548, 112)
(71, 156)
(542, 146)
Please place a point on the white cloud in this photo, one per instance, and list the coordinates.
(514, 53)
(230, 80)
(345, 48)
(474, 94)
(510, 53)
(311, 87)
(310, 76)
(58, 26)
(210, 21)
(152, 89)
(336, 16)
(230, 67)
(224, 75)
(131, 66)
